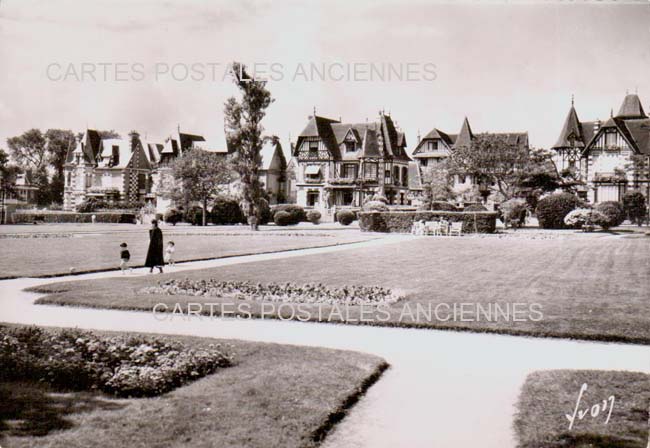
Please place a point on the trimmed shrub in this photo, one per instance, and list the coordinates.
(283, 218)
(194, 215)
(173, 216)
(634, 204)
(296, 212)
(375, 206)
(72, 217)
(514, 212)
(584, 218)
(475, 208)
(345, 217)
(313, 216)
(442, 206)
(613, 212)
(402, 222)
(91, 205)
(227, 212)
(552, 209)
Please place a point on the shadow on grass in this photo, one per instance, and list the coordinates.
(596, 441)
(33, 409)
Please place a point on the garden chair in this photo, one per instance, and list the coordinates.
(433, 228)
(456, 227)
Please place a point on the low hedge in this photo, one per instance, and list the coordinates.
(402, 222)
(73, 217)
(296, 212)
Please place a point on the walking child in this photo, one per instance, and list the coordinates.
(125, 256)
(169, 253)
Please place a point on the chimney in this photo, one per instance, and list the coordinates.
(596, 126)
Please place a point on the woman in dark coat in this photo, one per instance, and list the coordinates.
(155, 252)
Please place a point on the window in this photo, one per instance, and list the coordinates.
(387, 176)
(350, 146)
(350, 171)
(610, 139)
(312, 198)
(347, 197)
(69, 180)
(313, 148)
(572, 164)
(405, 176)
(312, 173)
(396, 174)
(424, 162)
(370, 170)
(432, 146)
(462, 178)
(116, 155)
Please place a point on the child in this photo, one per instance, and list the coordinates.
(125, 256)
(169, 253)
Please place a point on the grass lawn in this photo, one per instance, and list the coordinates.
(587, 287)
(547, 396)
(274, 395)
(86, 252)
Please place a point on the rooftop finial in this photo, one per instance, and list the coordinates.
(611, 113)
(314, 111)
(572, 100)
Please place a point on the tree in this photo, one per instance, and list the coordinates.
(203, 175)
(436, 185)
(8, 174)
(244, 136)
(635, 207)
(29, 149)
(59, 142)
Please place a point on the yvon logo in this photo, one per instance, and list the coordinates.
(594, 411)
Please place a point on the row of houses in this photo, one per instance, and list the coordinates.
(131, 169)
(336, 165)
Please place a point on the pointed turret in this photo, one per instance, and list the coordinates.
(465, 136)
(631, 107)
(571, 135)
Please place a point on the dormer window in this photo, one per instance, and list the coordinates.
(350, 146)
(313, 148)
(432, 145)
(115, 158)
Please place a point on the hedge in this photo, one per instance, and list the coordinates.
(613, 212)
(73, 217)
(227, 212)
(402, 222)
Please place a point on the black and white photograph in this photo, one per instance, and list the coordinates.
(325, 223)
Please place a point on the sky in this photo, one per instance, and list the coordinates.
(122, 64)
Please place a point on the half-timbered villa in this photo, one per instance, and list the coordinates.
(342, 164)
(602, 152)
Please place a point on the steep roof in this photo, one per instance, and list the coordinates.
(271, 150)
(465, 135)
(639, 130)
(631, 107)
(572, 132)
(332, 133)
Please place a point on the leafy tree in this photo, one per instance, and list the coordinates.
(244, 135)
(203, 175)
(29, 150)
(436, 185)
(59, 141)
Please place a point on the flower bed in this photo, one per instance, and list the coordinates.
(123, 366)
(274, 292)
(402, 222)
(35, 235)
(72, 217)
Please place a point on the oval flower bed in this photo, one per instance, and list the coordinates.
(274, 292)
(126, 366)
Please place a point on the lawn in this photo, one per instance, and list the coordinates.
(274, 395)
(54, 250)
(592, 287)
(548, 396)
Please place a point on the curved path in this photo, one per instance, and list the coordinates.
(445, 389)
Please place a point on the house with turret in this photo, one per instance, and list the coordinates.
(342, 164)
(602, 153)
(435, 147)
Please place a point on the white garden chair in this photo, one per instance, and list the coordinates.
(456, 227)
(433, 228)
